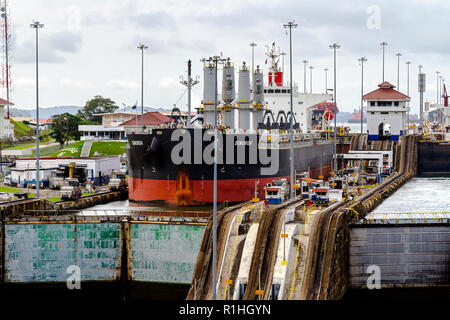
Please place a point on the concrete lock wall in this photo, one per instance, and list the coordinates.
(164, 252)
(405, 255)
(41, 252)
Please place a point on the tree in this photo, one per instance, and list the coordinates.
(64, 127)
(98, 104)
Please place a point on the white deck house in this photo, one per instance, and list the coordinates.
(110, 128)
(386, 107)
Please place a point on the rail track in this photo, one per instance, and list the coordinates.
(265, 252)
(202, 284)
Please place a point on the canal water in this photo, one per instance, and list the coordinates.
(419, 195)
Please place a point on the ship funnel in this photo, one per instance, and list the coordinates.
(244, 97)
(228, 94)
(209, 74)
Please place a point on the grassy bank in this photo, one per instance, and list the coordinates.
(104, 148)
(73, 150)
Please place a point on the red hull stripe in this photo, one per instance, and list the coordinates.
(235, 190)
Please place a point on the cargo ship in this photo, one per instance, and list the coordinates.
(173, 165)
(356, 117)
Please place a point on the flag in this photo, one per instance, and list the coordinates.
(266, 61)
(133, 107)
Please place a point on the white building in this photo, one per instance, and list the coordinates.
(386, 112)
(98, 169)
(6, 127)
(110, 128)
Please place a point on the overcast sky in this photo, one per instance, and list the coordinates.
(88, 47)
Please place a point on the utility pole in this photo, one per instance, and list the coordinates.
(408, 63)
(253, 45)
(334, 46)
(383, 44)
(290, 25)
(398, 70)
(189, 83)
(326, 78)
(142, 47)
(36, 25)
(305, 62)
(362, 60)
(310, 78)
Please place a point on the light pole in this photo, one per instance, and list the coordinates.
(421, 91)
(36, 25)
(142, 47)
(326, 78)
(217, 60)
(398, 70)
(383, 44)
(305, 63)
(290, 25)
(253, 45)
(310, 78)
(334, 46)
(362, 60)
(407, 84)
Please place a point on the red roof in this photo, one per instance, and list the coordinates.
(5, 102)
(150, 119)
(385, 92)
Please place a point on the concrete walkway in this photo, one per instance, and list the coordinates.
(86, 148)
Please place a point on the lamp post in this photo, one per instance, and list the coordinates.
(290, 25)
(216, 60)
(334, 46)
(326, 78)
(398, 70)
(407, 85)
(310, 78)
(142, 47)
(421, 92)
(36, 25)
(362, 60)
(383, 44)
(305, 63)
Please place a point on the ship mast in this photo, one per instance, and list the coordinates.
(189, 83)
(272, 54)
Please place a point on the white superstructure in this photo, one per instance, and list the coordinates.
(247, 110)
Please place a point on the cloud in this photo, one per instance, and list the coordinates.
(52, 48)
(72, 83)
(122, 84)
